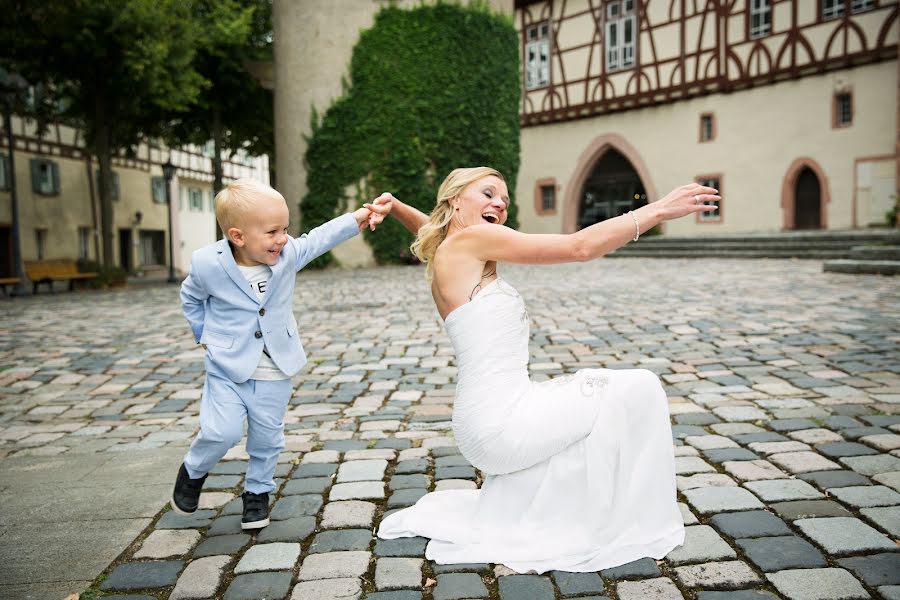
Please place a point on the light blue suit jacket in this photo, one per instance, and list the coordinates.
(226, 315)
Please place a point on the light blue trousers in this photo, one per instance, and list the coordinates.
(223, 407)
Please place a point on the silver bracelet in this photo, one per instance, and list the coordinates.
(637, 228)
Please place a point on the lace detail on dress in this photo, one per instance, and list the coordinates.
(591, 384)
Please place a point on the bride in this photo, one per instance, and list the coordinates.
(578, 470)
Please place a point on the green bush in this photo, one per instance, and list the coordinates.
(431, 89)
(106, 276)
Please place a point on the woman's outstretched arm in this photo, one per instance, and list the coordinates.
(409, 216)
(491, 242)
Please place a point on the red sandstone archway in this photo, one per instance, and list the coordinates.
(789, 192)
(583, 168)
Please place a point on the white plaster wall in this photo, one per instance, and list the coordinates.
(761, 131)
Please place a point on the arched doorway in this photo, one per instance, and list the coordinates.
(612, 188)
(807, 201)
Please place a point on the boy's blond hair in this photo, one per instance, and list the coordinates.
(238, 198)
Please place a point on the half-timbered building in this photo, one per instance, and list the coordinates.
(788, 107)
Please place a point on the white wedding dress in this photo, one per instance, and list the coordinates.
(578, 471)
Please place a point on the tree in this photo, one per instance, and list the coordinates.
(234, 110)
(111, 67)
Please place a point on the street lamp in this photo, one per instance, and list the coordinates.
(168, 173)
(12, 86)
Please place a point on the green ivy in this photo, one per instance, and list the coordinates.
(431, 89)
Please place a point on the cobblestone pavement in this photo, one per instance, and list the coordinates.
(784, 389)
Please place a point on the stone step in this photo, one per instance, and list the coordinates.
(875, 236)
(817, 245)
(875, 252)
(867, 267)
(713, 252)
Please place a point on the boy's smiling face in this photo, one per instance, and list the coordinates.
(261, 233)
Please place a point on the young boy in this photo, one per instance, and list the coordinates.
(238, 299)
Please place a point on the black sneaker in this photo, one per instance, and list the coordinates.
(256, 510)
(186, 494)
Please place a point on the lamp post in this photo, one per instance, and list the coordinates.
(12, 86)
(168, 173)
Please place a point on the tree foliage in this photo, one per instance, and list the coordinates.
(233, 109)
(431, 89)
(117, 69)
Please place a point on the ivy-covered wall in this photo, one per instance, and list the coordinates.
(431, 89)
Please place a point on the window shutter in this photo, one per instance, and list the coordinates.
(54, 172)
(35, 175)
(6, 180)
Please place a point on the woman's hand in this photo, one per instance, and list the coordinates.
(684, 200)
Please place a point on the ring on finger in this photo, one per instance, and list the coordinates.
(696, 199)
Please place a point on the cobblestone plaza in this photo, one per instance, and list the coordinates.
(783, 386)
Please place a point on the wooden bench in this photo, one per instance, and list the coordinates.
(48, 271)
(5, 281)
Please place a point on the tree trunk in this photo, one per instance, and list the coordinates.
(217, 157)
(102, 144)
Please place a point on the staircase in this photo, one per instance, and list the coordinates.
(875, 260)
(818, 245)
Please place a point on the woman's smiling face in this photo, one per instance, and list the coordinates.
(483, 201)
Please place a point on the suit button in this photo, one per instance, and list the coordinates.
(258, 334)
(262, 312)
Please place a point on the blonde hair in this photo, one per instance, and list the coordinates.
(240, 197)
(434, 231)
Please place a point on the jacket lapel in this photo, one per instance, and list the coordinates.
(226, 259)
(274, 279)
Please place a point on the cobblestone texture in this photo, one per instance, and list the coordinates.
(783, 386)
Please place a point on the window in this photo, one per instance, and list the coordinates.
(115, 184)
(40, 240)
(843, 110)
(548, 197)
(545, 196)
(832, 9)
(158, 189)
(861, 5)
(537, 56)
(620, 34)
(715, 215)
(84, 243)
(707, 127)
(4, 172)
(760, 18)
(196, 199)
(44, 177)
(212, 201)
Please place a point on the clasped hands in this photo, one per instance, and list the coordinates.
(373, 213)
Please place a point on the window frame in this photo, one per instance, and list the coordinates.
(53, 169)
(836, 123)
(766, 12)
(869, 5)
(157, 182)
(195, 194)
(542, 40)
(838, 11)
(539, 186)
(610, 24)
(712, 128)
(708, 179)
